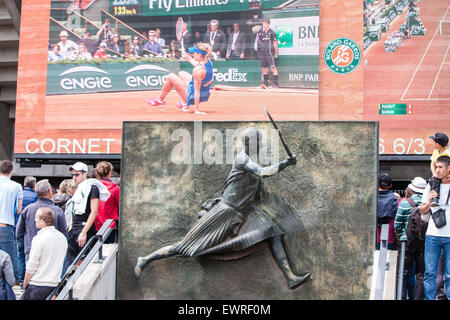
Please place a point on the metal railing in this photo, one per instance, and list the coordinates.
(89, 4)
(86, 20)
(400, 270)
(382, 265)
(118, 21)
(65, 28)
(94, 247)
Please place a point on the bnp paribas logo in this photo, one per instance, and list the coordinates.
(342, 55)
(285, 35)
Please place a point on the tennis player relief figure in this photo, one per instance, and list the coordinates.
(234, 221)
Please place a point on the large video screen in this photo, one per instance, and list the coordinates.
(95, 64)
(406, 72)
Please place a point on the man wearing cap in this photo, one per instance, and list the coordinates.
(414, 248)
(66, 46)
(440, 149)
(387, 208)
(86, 200)
(101, 52)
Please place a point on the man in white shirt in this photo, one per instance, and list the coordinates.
(48, 250)
(83, 220)
(437, 239)
(186, 38)
(86, 200)
(66, 46)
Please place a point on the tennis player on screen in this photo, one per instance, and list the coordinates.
(194, 88)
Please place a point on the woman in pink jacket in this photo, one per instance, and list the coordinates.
(108, 209)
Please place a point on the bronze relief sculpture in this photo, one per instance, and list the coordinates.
(235, 222)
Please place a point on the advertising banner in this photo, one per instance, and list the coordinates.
(182, 7)
(174, 7)
(115, 77)
(297, 31)
(107, 77)
(297, 34)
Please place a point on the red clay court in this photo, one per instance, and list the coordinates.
(108, 110)
(417, 73)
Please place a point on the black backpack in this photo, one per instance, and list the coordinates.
(416, 227)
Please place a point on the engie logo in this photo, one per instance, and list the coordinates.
(342, 55)
(141, 76)
(84, 82)
(95, 79)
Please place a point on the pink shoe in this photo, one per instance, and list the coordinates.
(181, 105)
(155, 102)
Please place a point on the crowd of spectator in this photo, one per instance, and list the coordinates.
(260, 43)
(43, 232)
(415, 228)
(231, 44)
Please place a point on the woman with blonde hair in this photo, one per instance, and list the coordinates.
(108, 209)
(194, 88)
(62, 199)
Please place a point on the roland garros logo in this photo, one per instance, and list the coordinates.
(342, 55)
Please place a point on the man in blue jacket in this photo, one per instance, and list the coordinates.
(26, 227)
(151, 46)
(29, 197)
(387, 208)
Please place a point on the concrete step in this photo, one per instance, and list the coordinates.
(9, 56)
(8, 75)
(8, 93)
(8, 36)
(5, 18)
